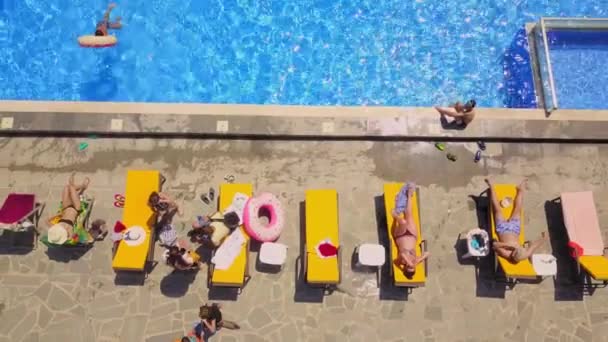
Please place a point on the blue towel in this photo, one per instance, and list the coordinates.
(475, 244)
(401, 199)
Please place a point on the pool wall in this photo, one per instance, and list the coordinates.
(292, 122)
(566, 62)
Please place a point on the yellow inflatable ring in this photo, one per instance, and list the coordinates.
(97, 41)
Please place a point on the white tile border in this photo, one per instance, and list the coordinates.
(116, 125)
(7, 122)
(328, 127)
(221, 126)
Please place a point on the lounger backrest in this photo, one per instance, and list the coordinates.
(580, 218)
(140, 184)
(16, 207)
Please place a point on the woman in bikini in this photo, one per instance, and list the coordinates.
(405, 236)
(70, 204)
(508, 230)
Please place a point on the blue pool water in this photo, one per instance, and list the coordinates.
(579, 60)
(317, 52)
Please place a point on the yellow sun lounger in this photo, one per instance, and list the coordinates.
(237, 275)
(399, 278)
(583, 228)
(322, 224)
(136, 212)
(524, 268)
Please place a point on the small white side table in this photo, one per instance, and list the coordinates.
(545, 265)
(477, 253)
(372, 255)
(272, 253)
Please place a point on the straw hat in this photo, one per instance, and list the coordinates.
(57, 234)
(134, 236)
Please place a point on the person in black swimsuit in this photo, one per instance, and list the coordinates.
(70, 203)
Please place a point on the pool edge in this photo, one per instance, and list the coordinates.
(268, 121)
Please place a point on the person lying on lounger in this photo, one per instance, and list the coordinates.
(508, 229)
(405, 233)
(70, 209)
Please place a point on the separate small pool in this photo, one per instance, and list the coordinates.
(579, 60)
(312, 52)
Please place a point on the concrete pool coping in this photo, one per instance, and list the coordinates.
(279, 121)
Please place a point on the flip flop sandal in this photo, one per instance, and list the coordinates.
(229, 178)
(440, 146)
(119, 201)
(211, 194)
(205, 199)
(452, 157)
(477, 156)
(482, 145)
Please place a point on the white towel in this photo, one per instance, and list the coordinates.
(229, 250)
(238, 205)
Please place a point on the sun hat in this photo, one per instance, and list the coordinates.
(57, 234)
(134, 236)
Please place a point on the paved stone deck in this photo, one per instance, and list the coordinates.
(204, 120)
(71, 296)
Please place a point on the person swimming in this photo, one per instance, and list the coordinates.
(104, 25)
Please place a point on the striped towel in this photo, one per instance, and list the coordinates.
(168, 235)
(401, 199)
(229, 250)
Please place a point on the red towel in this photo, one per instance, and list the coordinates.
(119, 227)
(575, 249)
(326, 249)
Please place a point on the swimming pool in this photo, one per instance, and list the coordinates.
(310, 52)
(578, 60)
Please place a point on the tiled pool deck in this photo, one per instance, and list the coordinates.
(71, 296)
(191, 120)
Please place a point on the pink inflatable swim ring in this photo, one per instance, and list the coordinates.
(265, 204)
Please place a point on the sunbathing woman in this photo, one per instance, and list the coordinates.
(70, 204)
(508, 230)
(405, 233)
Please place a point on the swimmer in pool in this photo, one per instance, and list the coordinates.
(463, 114)
(104, 25)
